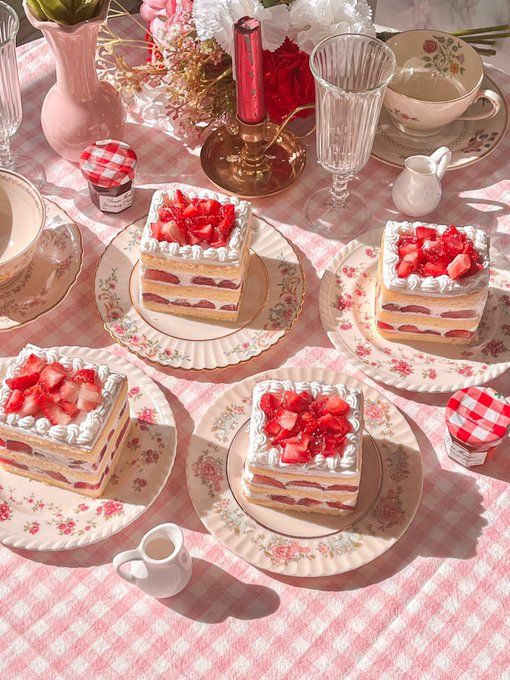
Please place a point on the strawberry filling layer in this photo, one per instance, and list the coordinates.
(302, 427)
(182, 280)
(264, 480)
(426, 311)
(71, 481)
(181, 302)
(309, 502)
(426, 252)
(13, 446)
(409, 328)
(194, 221)
(45, 389)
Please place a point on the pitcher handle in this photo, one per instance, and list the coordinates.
(495, 100)
(122, 558)
(442, 157)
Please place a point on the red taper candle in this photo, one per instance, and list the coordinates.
(251, 102)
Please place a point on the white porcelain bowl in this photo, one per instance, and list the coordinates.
(22, 216)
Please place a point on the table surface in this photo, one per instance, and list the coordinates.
(437, 603)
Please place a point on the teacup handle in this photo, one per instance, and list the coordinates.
(122, 558)
(493, 98)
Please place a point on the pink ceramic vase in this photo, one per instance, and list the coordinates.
(79, 109)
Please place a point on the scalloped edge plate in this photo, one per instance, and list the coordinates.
(38, 516)
(302, 546)
(347, 313)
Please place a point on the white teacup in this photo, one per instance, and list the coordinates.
(22, 215)
(160, 565)
(438, 77)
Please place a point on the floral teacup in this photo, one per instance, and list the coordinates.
(438, 77)
(22, 215)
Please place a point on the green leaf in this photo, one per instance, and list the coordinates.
(36, 10)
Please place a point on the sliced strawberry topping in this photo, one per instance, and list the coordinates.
(89, 397)
(32, 365)
(460, 265)
(269, 403)
(429, 253)
(336, 406)
(84, 375)
(23, 382)
(196, 221)
(69, 408)
(52, 375)
(30, 406)
(14, 401)
(52, 411)
(426, 232)
(303, 426)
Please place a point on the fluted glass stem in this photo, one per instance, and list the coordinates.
(339, 191)
(7, 159)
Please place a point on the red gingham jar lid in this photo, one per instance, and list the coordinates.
(478, 415)
(108, 163)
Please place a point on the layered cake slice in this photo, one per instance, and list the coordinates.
(195, 252)
(63, 420)
(305, 447)
(433, 282)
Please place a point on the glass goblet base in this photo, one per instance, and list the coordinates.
(29, 169)
(333, 221)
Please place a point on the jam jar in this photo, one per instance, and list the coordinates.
(477, 421)
(109, 167)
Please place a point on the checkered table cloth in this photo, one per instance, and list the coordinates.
(435, 606)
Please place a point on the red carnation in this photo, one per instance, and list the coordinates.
(288, 81)
(430, 46)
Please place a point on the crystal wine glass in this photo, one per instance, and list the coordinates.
(351, 72)
(10, 99)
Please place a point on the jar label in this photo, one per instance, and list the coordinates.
(116, 204)
(462, 455)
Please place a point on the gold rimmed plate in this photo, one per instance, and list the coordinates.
(271, 303)
(50, 275)
(296, 543)
(468, 140)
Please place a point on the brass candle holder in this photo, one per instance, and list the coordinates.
(253, 160)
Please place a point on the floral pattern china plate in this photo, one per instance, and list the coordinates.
(468, 140)
(270, 306)
(50, 275)
(346, 301)
(37, 516)
(294, 543)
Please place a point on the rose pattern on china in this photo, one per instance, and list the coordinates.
(282, 551)
(210, 472)
(443, 55)
(5, 512)
(110, 509)
(32, 528)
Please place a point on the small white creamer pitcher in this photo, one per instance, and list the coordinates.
(160, 565)
(417, 190)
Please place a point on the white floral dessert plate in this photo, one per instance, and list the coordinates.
(295, 543)
(270, 306)
(468, 140)
(347, 302)
(50, 275)
(37, 516)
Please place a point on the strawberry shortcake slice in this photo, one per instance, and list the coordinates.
(433, 282)
(305, 447)
(194, 254)
(62, 420)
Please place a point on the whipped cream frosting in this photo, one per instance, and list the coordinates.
(433, 286)
(229, 254)
(83, 431)
(262, 454)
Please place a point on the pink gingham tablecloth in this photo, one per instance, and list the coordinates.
(435, 606)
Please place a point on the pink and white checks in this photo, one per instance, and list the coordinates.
(478, 416)
(436, 606)
(108, 163)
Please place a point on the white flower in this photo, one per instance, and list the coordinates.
(313, 20)
(216, 19)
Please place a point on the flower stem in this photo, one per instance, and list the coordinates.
(6, 155)
(339, 191)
